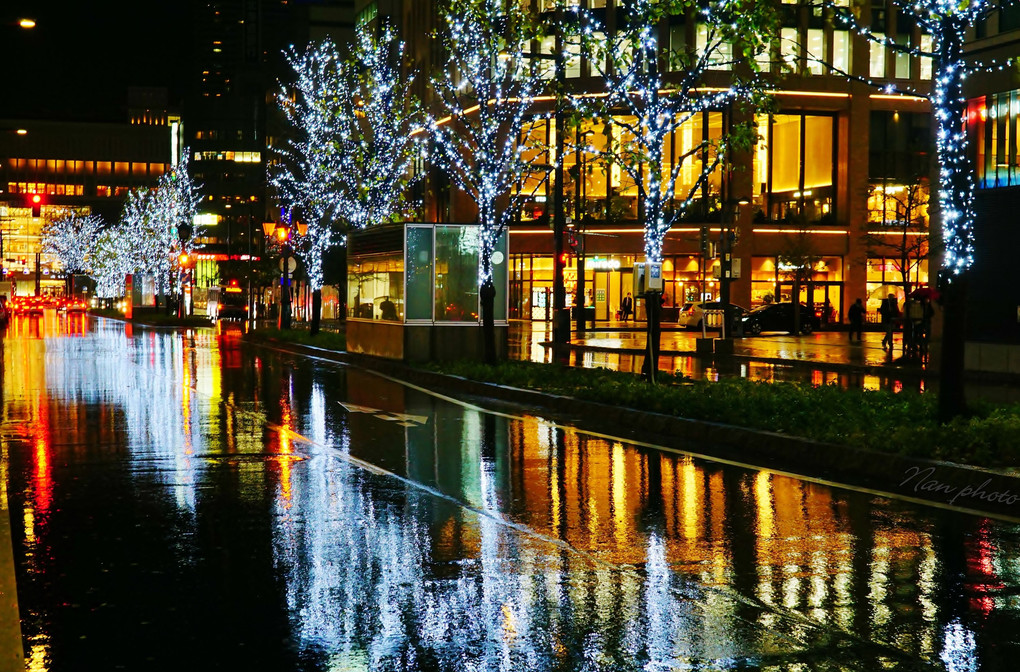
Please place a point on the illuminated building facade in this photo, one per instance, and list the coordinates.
(840, 173)
(993, 122)
(87, 167)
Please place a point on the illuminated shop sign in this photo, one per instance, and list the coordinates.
(603, 264)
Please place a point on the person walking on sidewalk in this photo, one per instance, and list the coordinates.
(626, 307)
(890, 312)
(856, 316)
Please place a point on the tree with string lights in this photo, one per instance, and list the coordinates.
(160, 225)
(947, 21)
(110, 260)
(484, 95)
(71, 240)
(652, 91)
(350, 158)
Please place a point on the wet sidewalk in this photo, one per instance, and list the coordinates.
(822, 358)
(533, 341)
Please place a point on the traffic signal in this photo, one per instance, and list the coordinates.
(36, 201)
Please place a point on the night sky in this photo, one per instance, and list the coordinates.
(79, 60)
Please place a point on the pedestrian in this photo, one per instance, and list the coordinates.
(856, 317)
(388, 310)
(627, 307)
(924, 337)
(890, 312)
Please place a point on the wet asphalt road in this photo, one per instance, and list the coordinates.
(184, 501)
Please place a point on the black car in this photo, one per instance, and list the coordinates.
(779, 317)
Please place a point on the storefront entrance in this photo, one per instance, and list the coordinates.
(819, 295)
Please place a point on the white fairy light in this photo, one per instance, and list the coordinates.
(351, 159)
(71, 239)
(947, 21)
(488, 73)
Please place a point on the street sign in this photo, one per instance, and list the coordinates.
(291, 265)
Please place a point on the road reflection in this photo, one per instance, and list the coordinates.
(316, 516)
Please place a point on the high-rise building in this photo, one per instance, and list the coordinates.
(237, 62)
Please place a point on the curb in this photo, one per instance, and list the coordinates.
(958, 487)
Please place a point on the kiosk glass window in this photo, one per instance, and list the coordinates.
(419, 273)
(375, 288)
(456, 274)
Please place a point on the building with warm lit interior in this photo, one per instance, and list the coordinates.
(49, 169)
(839, 175)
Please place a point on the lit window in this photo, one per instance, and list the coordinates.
(816, 51)
(841, 51)
(721, 55)
(926, 60)
(789, 48)
(878, 56)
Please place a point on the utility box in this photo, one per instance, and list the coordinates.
(647, 277)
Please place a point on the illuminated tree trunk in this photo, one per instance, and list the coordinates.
(956, 211)
(487, 292)
(316, 311)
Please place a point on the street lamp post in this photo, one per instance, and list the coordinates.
(283, 236)
(184, 232)
(728, 211)
(183, 262)
(561, 316)
(580, 207)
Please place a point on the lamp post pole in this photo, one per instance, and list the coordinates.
(579, 219)
(561, 316)
(283, 235)
(728, 213)
(248, 297)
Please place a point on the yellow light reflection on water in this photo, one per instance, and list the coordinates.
(693, 500)
(38, 658)
(286, 424)
(621, 523)
(28, 519)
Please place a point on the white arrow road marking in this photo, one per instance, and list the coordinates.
(404, 419)
(354, 408)
(413, 419)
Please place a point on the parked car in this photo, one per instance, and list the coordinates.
(692, 314)
(779, 317)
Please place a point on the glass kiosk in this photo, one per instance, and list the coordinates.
(412, 292)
